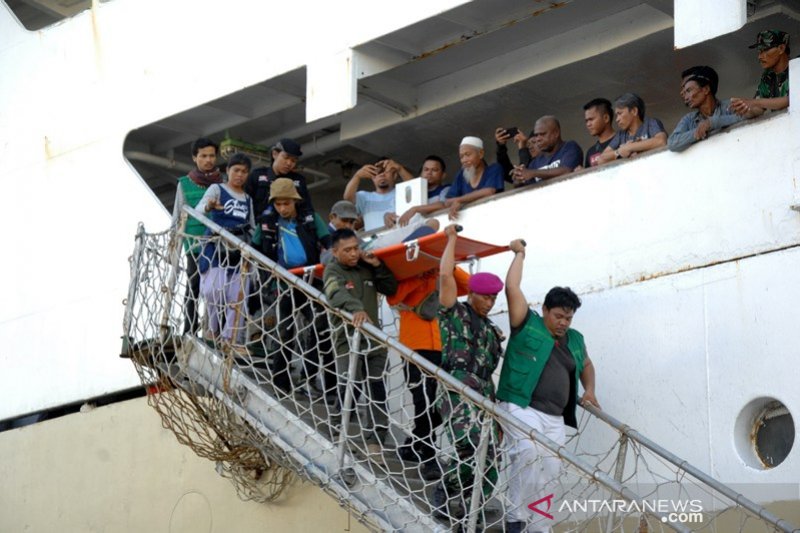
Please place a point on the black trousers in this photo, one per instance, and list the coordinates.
(423, 395)
(317, 355)
(190, 323)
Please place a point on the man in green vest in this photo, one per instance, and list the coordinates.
(544, 361)
(191, 189)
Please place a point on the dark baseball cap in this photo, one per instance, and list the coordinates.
(290, 146)
(770, 39)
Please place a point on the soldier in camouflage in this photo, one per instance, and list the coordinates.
(773, 87)
(471, 349)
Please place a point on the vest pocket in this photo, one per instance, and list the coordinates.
(532, 345)
(517, 377)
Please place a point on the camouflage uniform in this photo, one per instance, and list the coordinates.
(773, 84)
(470, 352)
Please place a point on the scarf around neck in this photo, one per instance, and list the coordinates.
(204, 179)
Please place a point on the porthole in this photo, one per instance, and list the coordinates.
(764, 433)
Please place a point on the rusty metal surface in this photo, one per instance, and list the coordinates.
(506, 24)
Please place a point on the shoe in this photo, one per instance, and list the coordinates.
(311, 392)
(284, 387)
(445, 506)
(375, 454)
(331, 399)
(439, 502)
(407, 453)
(431, 470)
(515, 527)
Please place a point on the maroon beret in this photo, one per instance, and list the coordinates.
(485, 283)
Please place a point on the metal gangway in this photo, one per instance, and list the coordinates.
(220, 395)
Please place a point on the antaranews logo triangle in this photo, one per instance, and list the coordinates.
(535, 506)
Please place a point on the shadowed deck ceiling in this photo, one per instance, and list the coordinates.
(485, 64)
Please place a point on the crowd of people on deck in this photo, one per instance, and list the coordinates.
(271, 208)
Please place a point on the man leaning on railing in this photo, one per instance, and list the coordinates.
(353, 279)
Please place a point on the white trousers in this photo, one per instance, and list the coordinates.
(226, 300)
(532, 468)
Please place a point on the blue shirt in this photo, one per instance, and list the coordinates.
(492, 177)
(290, 250)
(569, 155)
(438, 194)
(683, 136)
(372, 206)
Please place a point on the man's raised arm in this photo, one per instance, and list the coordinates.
(448, 291)
(517, 305)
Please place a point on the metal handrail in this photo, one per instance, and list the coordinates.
(501, 414)
(687, 467)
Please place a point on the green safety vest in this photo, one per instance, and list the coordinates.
(526, 355)
(192, 194)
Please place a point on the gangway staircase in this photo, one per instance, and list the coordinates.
(219, 395)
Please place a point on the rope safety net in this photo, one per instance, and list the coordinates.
(430, 443)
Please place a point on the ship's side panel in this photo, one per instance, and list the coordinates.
(71, 93)
(116, 469)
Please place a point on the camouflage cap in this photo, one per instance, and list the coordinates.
(769, 39)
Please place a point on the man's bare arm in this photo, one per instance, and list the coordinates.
(426, 209)
(365, 172)
(753, 107)
(517, 305)
(472, 196)
(657, 141)
(448, 291)
(587, 380)
(528, 174)
(405, 175)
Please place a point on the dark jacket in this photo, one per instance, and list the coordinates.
(356, 289)
(269, 239)
(259, 180)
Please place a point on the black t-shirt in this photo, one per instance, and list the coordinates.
(593, 153)
(552, 393)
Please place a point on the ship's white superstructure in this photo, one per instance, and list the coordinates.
(685, 262)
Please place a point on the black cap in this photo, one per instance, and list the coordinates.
(290, 146)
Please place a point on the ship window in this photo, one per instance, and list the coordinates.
(38, 14)
(764, 433)
(773, 434)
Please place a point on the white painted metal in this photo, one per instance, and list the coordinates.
(71, 93)
(409, 194)
(331, 85)
(696, 22)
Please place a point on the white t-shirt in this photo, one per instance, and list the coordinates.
(372, 206)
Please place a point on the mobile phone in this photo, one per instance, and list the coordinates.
(513, 130)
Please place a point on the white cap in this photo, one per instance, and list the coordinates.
(472, 141)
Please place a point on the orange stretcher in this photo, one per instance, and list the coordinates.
(409, 259)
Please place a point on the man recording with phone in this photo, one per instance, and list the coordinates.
(526, 145)
(556, 156)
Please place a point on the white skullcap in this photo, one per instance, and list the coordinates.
(472, 141)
